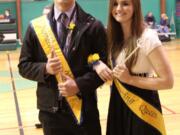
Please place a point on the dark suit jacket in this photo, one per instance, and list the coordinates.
(88, 37)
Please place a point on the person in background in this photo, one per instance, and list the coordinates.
(150, 20)
(66, 36)
(164, 24)
(140, 68)
(7, 14)
(47, 9)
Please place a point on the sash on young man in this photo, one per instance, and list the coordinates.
(48, 41)
(141, 108)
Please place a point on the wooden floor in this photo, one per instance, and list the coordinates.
(26, 98)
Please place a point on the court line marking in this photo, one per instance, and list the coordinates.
(11, 128)
(21, 131)
(168, 109)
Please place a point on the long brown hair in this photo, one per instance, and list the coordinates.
(116, 40)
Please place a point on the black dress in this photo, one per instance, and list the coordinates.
(122, 121)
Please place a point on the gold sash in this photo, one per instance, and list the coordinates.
(141, 108)
(47, 40)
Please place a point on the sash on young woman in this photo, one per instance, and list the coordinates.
(141, 108)
(47, 40)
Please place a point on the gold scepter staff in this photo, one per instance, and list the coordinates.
(139, 42)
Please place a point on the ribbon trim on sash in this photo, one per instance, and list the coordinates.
(47, 40)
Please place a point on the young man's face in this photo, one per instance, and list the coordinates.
(66, 3)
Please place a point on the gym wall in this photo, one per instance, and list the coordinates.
(98, 8)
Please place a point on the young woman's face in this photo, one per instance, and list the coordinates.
(122, 11)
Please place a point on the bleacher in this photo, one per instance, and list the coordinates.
(171, 34)
(8, 35)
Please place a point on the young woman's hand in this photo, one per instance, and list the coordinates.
(121, 73)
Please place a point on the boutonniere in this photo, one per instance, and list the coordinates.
(71, 26)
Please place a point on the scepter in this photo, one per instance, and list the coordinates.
(139, 41)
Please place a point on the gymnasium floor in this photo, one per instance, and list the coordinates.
(18, 112)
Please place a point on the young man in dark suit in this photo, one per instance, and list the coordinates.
(82, 36)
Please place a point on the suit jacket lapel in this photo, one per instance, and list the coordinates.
(81, 21)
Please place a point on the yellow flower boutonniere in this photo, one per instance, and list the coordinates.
(71, 26)
(92, 58)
